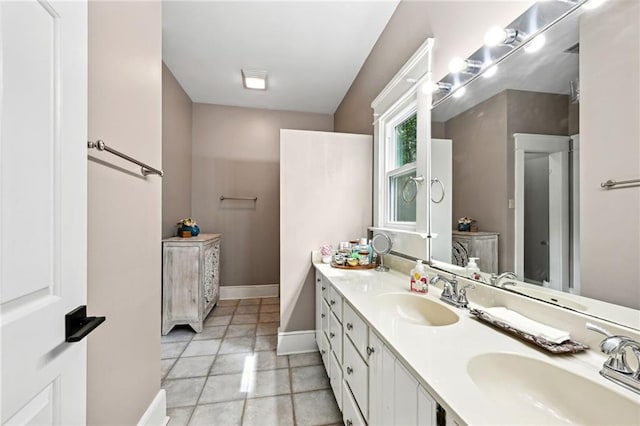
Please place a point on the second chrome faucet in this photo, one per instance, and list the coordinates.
(450, 292)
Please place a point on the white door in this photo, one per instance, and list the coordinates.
(43, 183)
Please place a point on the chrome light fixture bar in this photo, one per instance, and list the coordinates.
(525, 30)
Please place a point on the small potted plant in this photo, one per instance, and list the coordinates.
(464, 224)
(187, 228)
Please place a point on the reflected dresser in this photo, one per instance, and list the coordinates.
(475, 244)
(190, 280)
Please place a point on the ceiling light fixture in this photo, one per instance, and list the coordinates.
(458, 65)
(536, 44)
(432, 87)
(254, 79)
(498, 36)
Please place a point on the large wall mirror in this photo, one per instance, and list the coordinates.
(521, 143)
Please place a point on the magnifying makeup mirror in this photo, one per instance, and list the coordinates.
(381, 244)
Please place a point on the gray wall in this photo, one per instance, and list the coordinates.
(176, 153)
(236, 152)
(124, 222)
(484, 157)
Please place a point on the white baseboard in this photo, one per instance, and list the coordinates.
(156, 414)
(249, 291)
(296, 342)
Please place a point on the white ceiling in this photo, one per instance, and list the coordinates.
(312, 50)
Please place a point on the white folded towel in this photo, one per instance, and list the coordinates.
(527, 325)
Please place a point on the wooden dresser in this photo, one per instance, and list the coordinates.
(475, 244)
(190, 280)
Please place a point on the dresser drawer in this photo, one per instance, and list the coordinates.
(356, 329)
(335, 303)
(323, 285)
(335, 336)
(356, 374)
(336, 379)
(350, 414)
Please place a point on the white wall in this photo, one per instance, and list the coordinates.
(325, 197)
(610, 149)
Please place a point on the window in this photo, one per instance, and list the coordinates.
(401, 147)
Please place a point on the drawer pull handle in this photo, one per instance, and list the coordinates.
(323, 352)
(370, 350)
(349, 370)
(318, 279)
(322, 315)
(323, 288)
(333, 302)
(349, 326)
(349, 423)
(332, 335)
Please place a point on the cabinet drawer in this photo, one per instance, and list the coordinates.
(323, 285)
(356, 374)
(350, 413)
(325, 315)
(335, 336)
(325, 351)
(356, 329)
(335, 302)
(336, 379)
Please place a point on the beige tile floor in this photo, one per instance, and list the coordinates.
(230, 373)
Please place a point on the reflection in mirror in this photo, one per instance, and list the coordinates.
(509, 148)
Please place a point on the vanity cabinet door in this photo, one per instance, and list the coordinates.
(405, 397)
(426, 408)
(381, 382)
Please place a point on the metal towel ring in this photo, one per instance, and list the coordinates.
(434, 180)
(415, 180)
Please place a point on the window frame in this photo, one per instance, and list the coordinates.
(390, 160)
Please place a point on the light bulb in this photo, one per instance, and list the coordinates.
(459, 92)
(535, 44)
(457, 65)
(490, 72)
(495, 36)
(429, 87)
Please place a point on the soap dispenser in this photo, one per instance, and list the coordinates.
(419, 278)
(473, 271)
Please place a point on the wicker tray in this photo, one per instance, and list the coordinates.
(335, 265)
(569, 346)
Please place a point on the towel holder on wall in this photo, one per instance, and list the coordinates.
(222, 197)
(146, 170)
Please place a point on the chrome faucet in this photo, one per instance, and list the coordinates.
(495, 279)
(616, 368)
(450, 293)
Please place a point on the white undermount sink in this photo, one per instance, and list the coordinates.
(530, 391)
(416, 309)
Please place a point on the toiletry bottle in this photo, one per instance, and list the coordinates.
(419, 278)
(473, 271)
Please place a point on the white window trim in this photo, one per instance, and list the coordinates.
(397, 101)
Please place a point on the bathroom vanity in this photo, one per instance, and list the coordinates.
(396, 357)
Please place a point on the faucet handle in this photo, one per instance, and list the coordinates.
(614, 346)
(462, 295)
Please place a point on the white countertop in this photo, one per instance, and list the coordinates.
(439, 355)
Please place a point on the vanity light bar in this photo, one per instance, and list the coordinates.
(500, 43)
